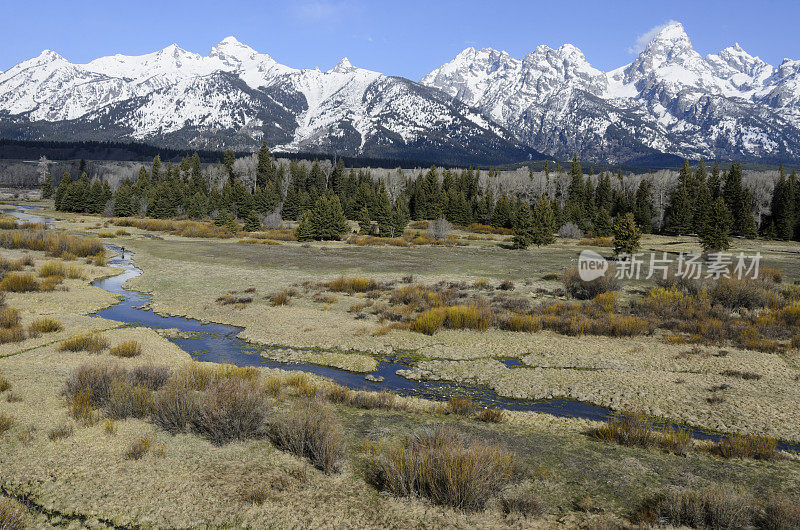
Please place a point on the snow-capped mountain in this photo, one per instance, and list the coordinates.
(235, 97)
(484, 106)
(670, 99)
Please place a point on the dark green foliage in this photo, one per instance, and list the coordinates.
(715, 235)
(523, 227)
(626, 234)
(679, 216)
(739, 202)
(47, 186)
(364, 222)
(544, 223)
(253, 222)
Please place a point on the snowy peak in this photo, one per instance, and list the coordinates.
(343, 67)
(232, 52)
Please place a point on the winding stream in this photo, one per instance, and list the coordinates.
(219, 343)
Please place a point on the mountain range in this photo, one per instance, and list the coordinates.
(483, 107)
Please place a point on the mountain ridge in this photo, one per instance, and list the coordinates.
(484, 106)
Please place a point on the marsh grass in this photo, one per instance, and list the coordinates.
(139, 448)
(65, 430)
(6, 422)
(179, 228)
(87, 341)
(12, 334)
(634, 429)
(490, 415)
(280, 298)
(353, 284)
(452, 317)
(13, 515)
(445, 467)
(311, 430)
(128, 348)
(44, 325)
(52, 268)
(748, 446)
(781, 512)
(712, 507)
(463, 406)
(53, 243)
(9, 317)
(19, 282)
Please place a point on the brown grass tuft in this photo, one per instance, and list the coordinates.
(311, 430)
(86, 341)
(353, 284)
(60, 432)
(444, 466)
(13, 515)
(128, 348)
(44, 325)
(19, 282)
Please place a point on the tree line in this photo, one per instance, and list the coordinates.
(713, 204)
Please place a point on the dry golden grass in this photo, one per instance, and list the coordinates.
(13, 515)
(491, 415)
(52, 268)
(44, 325)
(139, 447)
(6, 422)
(444, 466)
(12, 334)
(311, 430)
(19, 282)
(85, 341)
(9, 317)
(179, 228)
(354, 284)
(461, 405)
(711, 507)
(53, 243)
(65, 430)
(517, 322)
(128, 348)
(748, 446)
(4, 384)
(279, 298)
(453, 317)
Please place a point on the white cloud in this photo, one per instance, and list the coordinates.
(643, 39)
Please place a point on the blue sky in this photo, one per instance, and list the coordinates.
(407, 38)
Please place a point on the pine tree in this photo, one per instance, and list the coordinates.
(716, 234)
(400, 217)
(642, 211)
(382, 214)
(265, 167)
(544, 223)
(702, 204)
(305, 229)
(602, 223)
(679, 215)
(523, 227)
(626, 234)
(364, 222)
(228, 160)
(155, 171)
(47, 181)
(739, 202)
(123, 206)
(253, 222)
(223, 217)
(783, 209)
(63, 185)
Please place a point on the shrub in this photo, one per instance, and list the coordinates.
(93, 381)
(44, 325)
(6, 422)
(373, 400)
(453, 317)
(149, 376)
(139, 447)
(128, 348)
(13, 334)
(712, 507)
(418, 297)
(748, 446)
(19, 282)
(628, 428)
(52, 268)
(174, 406)
(491, 415)
(570, 231)
(13, 515)
(231, 409)
(353, 284)
(54, 243)
(583, 290)
(4, 384)
(280, 298)
(461, 405)
(87, 341)
(9, 317)
(606, 301)
(506, 285)
(311, 430)
(126, 400)
(439, 229)
(738, 294)
(302, 383)
(60, 432)
(444, 466)
(74, 272)
(781, 512)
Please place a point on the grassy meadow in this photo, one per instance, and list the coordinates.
(104, 425)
